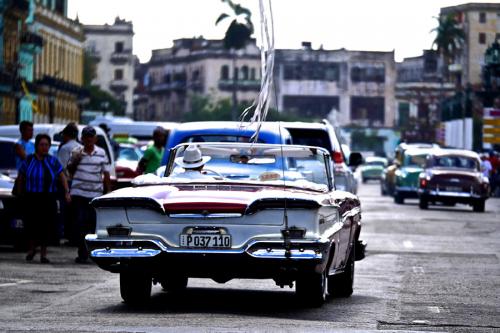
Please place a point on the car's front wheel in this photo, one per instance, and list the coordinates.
(423, 203)
(479, 206)
(340, 285)
(312, 288)
(174, 284)
(398, 198)
(135, 288)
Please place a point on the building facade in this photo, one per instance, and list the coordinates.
(481, 25)
(420, 90)
(197, 66)
(348, 87)
(19, 44)
(111, 48)
(58, 70)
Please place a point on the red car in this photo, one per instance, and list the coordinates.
(453, 176)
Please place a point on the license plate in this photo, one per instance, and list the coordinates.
(205, 241)
(453, 189)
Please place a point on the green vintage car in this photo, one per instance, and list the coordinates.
(373, 168)
(406, 184)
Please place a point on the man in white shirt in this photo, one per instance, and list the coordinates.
(69, 136)
(89, 166)
(193, 163)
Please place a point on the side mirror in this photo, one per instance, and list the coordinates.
(355, 159)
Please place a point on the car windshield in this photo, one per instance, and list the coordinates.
(288, 165)
(375, 162)
(217, 138)
(461, 162)
(417, 160)
(129, 154)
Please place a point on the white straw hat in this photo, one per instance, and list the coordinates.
(192, 158)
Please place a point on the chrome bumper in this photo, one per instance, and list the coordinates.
(115, 248)
(435, 193)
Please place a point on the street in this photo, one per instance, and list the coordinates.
(433, 271)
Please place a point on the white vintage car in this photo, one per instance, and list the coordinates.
(254, 211)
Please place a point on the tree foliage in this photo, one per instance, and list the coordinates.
(449, 36)
(204, 108)
(241, 28)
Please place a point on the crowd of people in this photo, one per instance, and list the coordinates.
(490, 167)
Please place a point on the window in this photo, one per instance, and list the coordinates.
(252, 74)
(224, 73)
(368, 74)
(497, 37)
(118, 47)
(118, 74)
(236, 73)
(312, 70)
(482, 17)
(482, 38)
(244, 72)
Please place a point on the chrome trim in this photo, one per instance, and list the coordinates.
(114, 252)
(124, 253)
(280, 254)
(207, 216)
(454, 194)
(406, 188)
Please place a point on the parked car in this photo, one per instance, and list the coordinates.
(129, 156)
(407, 174)
(372, 168)
(224, 131)
(54, 130)
(388, 178)
(323, 135)
(233, 224)
(8, 160)
(11, 224)
(453, 176)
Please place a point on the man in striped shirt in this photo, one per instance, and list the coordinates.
(89, 166)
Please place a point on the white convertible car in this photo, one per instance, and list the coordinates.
(253, 211)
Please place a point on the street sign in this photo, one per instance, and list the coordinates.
(491, 127)
(491, 139)
(491, 130)
(492, 122)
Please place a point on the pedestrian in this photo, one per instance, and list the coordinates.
(114, 145)
(38, 177)
(485, 166)
(69, 143)
(151, 160)
(89, 166)
(24, 146)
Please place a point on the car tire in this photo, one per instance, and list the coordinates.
(383, 191)
(398, 198)
(341, 285)
(479, 206)
(135, 288)
(423, 203)
(312, 288)
(174, 284)
(363, 180)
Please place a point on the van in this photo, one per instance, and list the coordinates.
(53, 130)
(141, 130)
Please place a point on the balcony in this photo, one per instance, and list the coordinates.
(32, 39)
(120, 58)
(168, 87)
(93, 54)
(241, 85)
(118, 86)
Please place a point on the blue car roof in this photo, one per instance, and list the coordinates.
(270, 132)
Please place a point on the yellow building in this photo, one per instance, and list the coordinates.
(59, 67)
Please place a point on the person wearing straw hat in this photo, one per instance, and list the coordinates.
(193, 162)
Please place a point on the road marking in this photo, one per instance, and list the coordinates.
(408, 244)
(434, 309)
(14, 283)
(421, 322)
(418, 270)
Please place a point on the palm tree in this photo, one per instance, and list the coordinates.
(237, 36)
(449, 38)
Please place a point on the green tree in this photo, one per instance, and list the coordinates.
(204, 108)
(449, 38)
(237, 36)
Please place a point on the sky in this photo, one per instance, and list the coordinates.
(372, 25)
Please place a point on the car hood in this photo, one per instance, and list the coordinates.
(209, 199)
